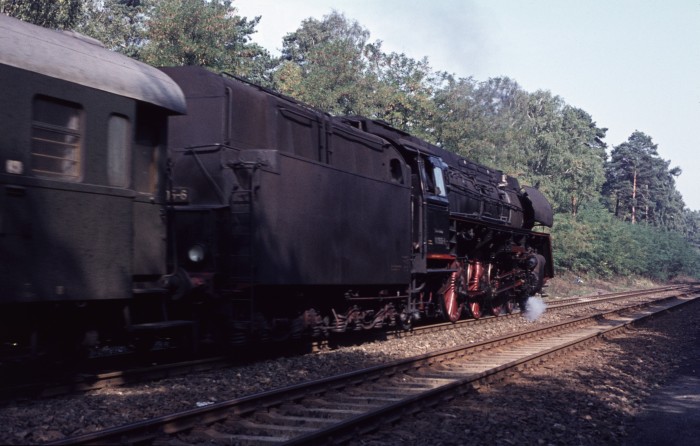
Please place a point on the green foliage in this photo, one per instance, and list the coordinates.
(199, 32)
(534, 136)
(180, 32)
(57, 14)
(332, 65)
(327, 60)
(692, 227)
(403, 91)
(575, 165)
(324, 64)
(597, 243)
(482, 121)
(640, 186)
(121, 25)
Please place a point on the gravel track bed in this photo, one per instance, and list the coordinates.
(598, 392)
(586, 399)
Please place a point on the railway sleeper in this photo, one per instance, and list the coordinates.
(276, 417)
(205, 435)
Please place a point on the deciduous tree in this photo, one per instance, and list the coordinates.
(57, 14)
(206, 33)
(120, 25)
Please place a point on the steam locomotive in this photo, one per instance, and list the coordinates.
(142, 203)
(305, 221)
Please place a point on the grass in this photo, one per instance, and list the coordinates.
(570, 285)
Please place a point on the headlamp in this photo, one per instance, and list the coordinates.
(196, 253)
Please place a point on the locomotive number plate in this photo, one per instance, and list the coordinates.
(178, 195)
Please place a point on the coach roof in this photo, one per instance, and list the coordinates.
(82, 60)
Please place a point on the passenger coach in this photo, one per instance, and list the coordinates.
(82, 153)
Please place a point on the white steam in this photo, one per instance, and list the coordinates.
(534, 307)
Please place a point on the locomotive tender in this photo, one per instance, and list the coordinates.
(138, 201)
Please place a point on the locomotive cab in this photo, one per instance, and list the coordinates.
(433, 227)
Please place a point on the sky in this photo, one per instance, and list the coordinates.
(631, 64)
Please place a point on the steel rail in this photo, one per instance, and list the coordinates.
(323, 411)
(551, 305)
(86, 382)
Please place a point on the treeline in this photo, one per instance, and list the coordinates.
(617, 214)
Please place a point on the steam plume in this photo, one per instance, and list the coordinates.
(534, 307)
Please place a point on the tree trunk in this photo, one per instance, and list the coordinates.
(634, 195)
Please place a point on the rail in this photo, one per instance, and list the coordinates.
(337, 409)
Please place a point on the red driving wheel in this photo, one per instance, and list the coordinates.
(451, 309)
(475, 309)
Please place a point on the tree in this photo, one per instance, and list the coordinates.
(483, 121)
(628, 162)
(331, 65)
(640, 186)
(172, 32)
(403, 90)
(299, 46)
(580, 172)
(455, 109)
(692, 227)
(534, 136)
(206, 33)
(121, 25)
(599, 244)
(57, 14)
(324, 65)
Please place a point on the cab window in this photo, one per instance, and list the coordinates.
(436, 178)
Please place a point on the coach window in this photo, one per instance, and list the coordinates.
(149, 125)
(56, 139)
(118, 150)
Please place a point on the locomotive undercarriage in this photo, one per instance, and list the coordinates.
(494, 271)
(477, 288)
(491, 271)
(467, 288)
(470, 285)
(269, 314)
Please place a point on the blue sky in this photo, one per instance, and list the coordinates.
(631, 64)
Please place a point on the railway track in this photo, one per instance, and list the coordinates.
(85, 382)
(340, 408)
(564, 304)
(113, 377)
